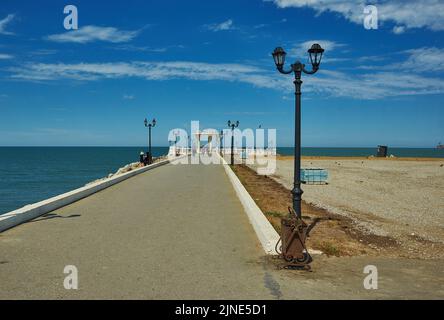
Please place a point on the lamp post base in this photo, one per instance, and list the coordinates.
(297, 199)
(293, 235)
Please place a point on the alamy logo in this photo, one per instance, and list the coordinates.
(209, 146)
(371, 281)
(71, 21)
(71, 281)
(370, 17)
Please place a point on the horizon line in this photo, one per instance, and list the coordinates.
(104, 146)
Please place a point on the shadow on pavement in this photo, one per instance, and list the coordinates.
(52, 216)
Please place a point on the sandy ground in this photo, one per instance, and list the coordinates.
(388, 197)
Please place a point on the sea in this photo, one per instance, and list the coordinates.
(32, 174)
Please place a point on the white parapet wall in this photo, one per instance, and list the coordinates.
(268, 237)
(32, 211)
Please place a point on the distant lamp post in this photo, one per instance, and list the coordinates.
(255, 138)
(221, 136)
(232, 125)
(149, 126)
(294, 254)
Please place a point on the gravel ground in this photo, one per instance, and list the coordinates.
(393, 197)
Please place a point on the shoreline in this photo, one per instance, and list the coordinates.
(127, 168)
(287, 157)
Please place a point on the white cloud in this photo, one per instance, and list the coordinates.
(223, 26)
(373, 85)
(404, 13)
(370, 85)
(4, 56)
(43, 52)
(260, 26)
(146, 70)
(94, 33)
(328, 45)
(128, 97)
(371, 58)
(301, 49)
(129, 47)
(426, 59)
(398, 29)
(4, 22)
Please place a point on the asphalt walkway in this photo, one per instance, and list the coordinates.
(175, 232)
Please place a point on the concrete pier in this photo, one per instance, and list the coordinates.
(176, 232)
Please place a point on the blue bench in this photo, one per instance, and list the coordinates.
(314, 176)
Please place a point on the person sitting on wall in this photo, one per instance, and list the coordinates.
(141, 157)
(146, 159)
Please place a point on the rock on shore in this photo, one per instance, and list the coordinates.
(125, 169)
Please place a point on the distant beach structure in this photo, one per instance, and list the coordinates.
(440, 146)
(382, 151)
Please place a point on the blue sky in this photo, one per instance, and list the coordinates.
(179, 61)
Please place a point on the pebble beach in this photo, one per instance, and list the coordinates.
(400, 198)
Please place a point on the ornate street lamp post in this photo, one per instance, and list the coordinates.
(297, 68)
(315, 53)
(149, 126)
(232, 125)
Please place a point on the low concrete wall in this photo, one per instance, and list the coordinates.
(265, 232)
(32, 211)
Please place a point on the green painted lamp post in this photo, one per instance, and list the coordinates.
(297, 68)
(232, 125)
(149, 126)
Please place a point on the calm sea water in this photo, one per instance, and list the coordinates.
(29, 175)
